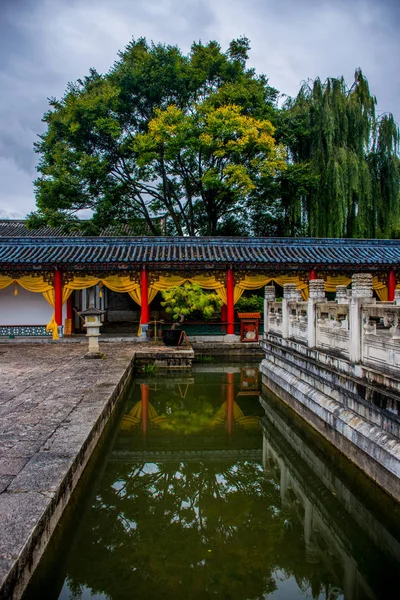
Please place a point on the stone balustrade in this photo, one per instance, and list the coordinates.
(354, 325)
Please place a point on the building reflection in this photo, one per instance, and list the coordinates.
(340, 534)
(148, 414)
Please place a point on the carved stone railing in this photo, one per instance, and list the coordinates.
(275, 317)
(355, 325)
(332, 327)
(298, 324)
(380, 344)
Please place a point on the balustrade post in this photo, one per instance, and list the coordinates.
(269, 296)
(289, 294)
(361, 291)
(317, 294)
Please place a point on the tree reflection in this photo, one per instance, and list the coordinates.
(181, 531)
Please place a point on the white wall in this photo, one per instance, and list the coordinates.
(28, 308)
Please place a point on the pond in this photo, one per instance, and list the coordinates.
(206, 492)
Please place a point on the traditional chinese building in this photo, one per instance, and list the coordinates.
(45, 273)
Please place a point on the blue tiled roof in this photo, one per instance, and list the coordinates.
(203, 253)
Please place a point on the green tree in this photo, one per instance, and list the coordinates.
(343, 173)
(182, 301)
(160, 134)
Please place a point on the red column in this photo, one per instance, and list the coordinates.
(230, 402)
(58, 296)
(70, 313)
(144, 286)
(230, 293)
(391, 284)
(313, 274)
(145, 407)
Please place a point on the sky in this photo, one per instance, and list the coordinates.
(44, 44)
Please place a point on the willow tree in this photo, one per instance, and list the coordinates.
(385, 171)
(343, 173)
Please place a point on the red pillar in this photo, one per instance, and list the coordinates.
(144, 286)
(391, 284)
(145, 407)
(230, 307)
(58, 285)
(313, 274)
(230, 402)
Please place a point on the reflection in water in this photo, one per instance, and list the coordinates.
(197, 500)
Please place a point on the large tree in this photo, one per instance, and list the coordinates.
(343, 170)
(186, 138)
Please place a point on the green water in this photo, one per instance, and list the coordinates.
(207, 494)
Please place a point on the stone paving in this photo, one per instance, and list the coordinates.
(53, 408)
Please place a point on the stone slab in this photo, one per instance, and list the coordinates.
(42, 473)
(11, 466)
(54, 406)
(19, 515)
(5, 481)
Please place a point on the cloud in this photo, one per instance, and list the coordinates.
(46, 43)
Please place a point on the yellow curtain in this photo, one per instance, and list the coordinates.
(333, 280)
(254, 282)
(38, 285)
(116, 283)
(381, 289)
(5, 281)
(300, 284)
(208, 282)
(28, 282)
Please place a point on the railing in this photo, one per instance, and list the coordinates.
(332, 327)
(275, 317)
(355, 325)
(381, 335)
(298, 320)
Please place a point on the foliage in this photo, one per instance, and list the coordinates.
(150, 369)
(343, 174)
(160, 134)
(182, 301)
(251, 303)
(205, 358)
(196, 145)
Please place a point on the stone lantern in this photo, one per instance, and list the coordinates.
(93, 323)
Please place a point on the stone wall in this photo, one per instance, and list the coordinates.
(336, 397)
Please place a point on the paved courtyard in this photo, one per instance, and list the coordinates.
(53, 406)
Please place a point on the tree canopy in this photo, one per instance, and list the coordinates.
(196, 145)
(343, 173)
(161, 134)
(182, 301)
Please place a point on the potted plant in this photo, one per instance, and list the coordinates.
(182, 301)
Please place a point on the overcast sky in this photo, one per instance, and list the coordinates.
(46, 43)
